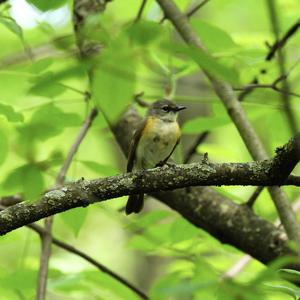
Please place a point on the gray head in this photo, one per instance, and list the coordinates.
(166, 110)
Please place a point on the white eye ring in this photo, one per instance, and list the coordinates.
(165, 108)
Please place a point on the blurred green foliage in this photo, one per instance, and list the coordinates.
(44, 100)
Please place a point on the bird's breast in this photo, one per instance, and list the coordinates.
(157, 142)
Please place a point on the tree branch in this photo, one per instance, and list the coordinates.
(85, 192)
(41, 231)
(237, 114)
(46, 238)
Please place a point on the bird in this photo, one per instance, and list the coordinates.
(153, 142)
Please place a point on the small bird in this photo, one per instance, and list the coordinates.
(153, 143)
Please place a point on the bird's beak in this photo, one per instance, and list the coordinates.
(180, 107)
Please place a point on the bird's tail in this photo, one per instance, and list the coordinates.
(134, 204)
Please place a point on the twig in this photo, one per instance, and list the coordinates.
(254, 196)
(238, 116)
(140, 101)
(42, 232)
(82, 133)
(46, 239)
(9, 201)
(199, 140)
(189, 13)
(282, 68)
(242, 263)
(140, 12)
(196, 8)
(279, 44)
(250, 87)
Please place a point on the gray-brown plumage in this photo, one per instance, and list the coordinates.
(153, 143)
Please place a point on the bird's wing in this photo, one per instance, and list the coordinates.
(133, 145)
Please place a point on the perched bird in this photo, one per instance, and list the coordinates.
(153, 143)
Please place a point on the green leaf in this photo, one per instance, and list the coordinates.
(46, 86)
(10, 114)
(100, 168)
(75, 218)
(286, 290)
(50, 113)
(12, 25)
(182, 230)
(151, 218)
(201, 124)
(290, 275)
(41, 65)
(218, 118)
(3, 146)
(47, 5)
(114, 79)
(46, 122)
(27, 179)
(214, 38)
(207, 62)
(20, 279)
(144, 32)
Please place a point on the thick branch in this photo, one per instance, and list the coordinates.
(84, 192)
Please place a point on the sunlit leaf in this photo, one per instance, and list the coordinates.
(295, 293)
(10, 114)
(207, 62)
(75, 218)
(12, 25)
(27, 179)
(21, 279)
(50, 113)
(47, 5)
(182, 230)
(114, 81)
(214, 38)
(101, 169)
(201, 124)
(46, 86)
(41, 65)
(144, 32)
(3, 146)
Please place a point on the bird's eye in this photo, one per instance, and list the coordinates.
(165, 108)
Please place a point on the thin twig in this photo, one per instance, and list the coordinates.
(254, 196)
(250, 87)
(189, 13)
(9, 201)
(193, 150)
(141, 102)
(46, 239)
(282, 68)
(140, 12)
(82, 133)
(196, 8)
(42, 232)
(279, 44)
